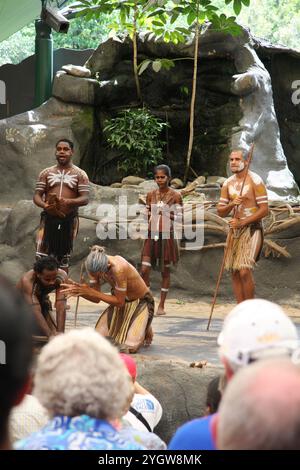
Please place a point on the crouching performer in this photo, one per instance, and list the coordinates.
(127, 320)
(36, 285)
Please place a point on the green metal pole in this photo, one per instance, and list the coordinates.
(43, 62)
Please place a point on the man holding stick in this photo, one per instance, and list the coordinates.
(245, 194)
(60, 190)
(127, 319)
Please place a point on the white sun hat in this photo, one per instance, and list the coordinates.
(254, 329)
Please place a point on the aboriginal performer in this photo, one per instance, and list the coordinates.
(60, 190)
(245, 239)
(127, 320)
(161, 248)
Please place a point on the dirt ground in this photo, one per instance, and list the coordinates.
(180, 335)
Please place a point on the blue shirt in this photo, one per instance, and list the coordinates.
(77, 433)
(194, 435)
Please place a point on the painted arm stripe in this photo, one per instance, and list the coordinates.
(123, 289)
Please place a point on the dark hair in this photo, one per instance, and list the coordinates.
(66, 140)
(165, 168)
(16, 327)
(45, 262)
(213, 395)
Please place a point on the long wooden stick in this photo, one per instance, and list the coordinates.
(228, 241)
(77, 300)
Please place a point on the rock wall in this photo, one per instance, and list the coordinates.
(234, 93)
(27, 144)
(283, 65)
(21, 98)
(197, 271)
(180, 389)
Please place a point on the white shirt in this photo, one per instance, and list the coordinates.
(28, 417)
(149, 407)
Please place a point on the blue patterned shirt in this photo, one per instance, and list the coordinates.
(77, 433)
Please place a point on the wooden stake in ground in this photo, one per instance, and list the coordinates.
(77, 300)
(228, 241)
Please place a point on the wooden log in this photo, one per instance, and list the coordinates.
(283, 226)
(273, 246)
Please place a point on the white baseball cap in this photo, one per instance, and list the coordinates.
(254, 329)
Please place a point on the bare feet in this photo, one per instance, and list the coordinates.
(149, 337)
(160, 311)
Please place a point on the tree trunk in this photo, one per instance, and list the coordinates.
(135, 64)
(193, 99)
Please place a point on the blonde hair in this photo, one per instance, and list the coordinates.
(80, 372)
(97, 260)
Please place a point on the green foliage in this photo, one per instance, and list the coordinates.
(278, 21)
(19, 46)
(81, 35)
(121, 13)
(136, 132)
(156, 64)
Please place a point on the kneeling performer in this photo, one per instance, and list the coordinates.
(127, 320)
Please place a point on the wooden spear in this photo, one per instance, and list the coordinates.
(77, 300)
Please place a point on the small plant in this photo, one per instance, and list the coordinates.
(136, 133)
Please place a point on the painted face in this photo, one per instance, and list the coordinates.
(47, 278)
(63, 153)
(161, 179)
(237, 163)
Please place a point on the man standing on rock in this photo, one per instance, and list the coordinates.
(60, 190)
(245, 239)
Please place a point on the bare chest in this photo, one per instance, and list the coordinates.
(234, 190)
(62, 179)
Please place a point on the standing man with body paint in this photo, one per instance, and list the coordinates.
(245, 238)
(60, 190)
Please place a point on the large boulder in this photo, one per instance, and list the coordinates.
(27, 144)
(181, 390)
(227, 108)
(74, 89)
(285, 87)
(234, 90)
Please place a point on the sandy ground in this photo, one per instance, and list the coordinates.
(181, 334)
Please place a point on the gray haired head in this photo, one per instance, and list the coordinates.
(97, 260)
(243, 151)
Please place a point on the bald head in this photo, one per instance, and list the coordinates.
(260, 409)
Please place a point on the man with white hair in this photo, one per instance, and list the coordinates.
(85, 387)
(260, 409)
(127, 320)
(254, 330)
